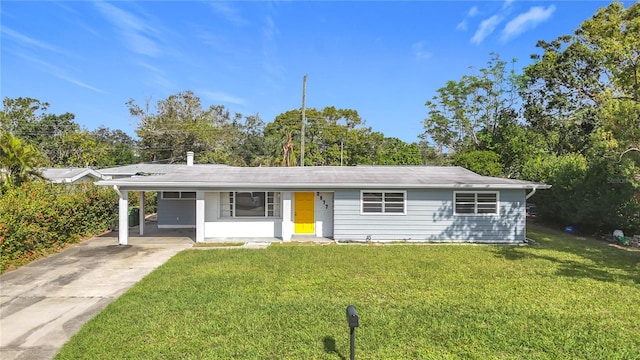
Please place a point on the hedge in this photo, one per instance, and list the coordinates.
(39, 218)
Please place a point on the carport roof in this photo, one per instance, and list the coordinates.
(216, 177)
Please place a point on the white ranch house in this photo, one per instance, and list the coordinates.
(360, 203)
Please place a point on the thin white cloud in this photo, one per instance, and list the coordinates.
(79, 83)
(143, 45)
(76, 15)
(270, 30)
(210, 39)
(26, 40)
(228, 12)
(462, 25)
(507, 3)
(272, 67)
(60, 73)
(157, 77)
(65, 7)
(149, 66)
(219, 96)
(527, 21)
(487, 26)
(420, 52)
(136, 32)
(90, 30)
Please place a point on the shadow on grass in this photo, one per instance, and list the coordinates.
(330, 347)
(512, 253)
(596, 260)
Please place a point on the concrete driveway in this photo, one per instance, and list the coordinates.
(44, 303)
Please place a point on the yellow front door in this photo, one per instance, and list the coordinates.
(304, 211)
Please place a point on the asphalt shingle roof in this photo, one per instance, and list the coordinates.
(131, 170)
(212, 176)
(65, 174)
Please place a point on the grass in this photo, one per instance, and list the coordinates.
(560, 298)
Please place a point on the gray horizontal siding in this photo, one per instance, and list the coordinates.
(176, 212)
(429, 217)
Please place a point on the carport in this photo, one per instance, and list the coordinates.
(123, 214)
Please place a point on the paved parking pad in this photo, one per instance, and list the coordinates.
(44, 303)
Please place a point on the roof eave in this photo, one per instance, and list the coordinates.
(235, 185)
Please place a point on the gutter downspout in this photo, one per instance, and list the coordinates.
(533, 191)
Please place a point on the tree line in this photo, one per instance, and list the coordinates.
(571, 119)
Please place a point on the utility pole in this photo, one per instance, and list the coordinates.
(304, 120)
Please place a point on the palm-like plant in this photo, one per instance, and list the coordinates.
(18, 161)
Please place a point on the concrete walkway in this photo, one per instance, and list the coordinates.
(44, 303)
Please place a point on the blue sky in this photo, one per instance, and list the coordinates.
(381, 58)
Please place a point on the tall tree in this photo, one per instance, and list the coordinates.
(394, 151)
(582, 95)
(119, 146)
(462, 109)
(18, 161)
(179, 124)
(79, 149)
(252, 146)
(19, 114)
(588, 81)
(325, 130)
(60, 139)
(333, 137)
(477, 123)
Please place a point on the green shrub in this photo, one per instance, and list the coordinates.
(38, 218)
(596, 195)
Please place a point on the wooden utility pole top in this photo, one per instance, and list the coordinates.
(304, 120)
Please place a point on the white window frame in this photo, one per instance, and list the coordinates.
(475, 202)
(180, 196)
(266, 205)
(383, 192)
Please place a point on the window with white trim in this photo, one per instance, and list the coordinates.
(177, 195)
(250, 204)
(476, 203)
(383, 202)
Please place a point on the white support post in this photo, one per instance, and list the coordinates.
(142, 210)
(123, 217)
(287, 223)
(200, 216)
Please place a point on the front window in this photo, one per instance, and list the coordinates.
(175, 195)
(476, 203)
(383, 202)
(250, 204)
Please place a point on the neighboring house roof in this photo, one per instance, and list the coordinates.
(68, 175)
(131, 170)
(205, 177)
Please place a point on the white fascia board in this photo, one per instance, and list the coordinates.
(152, 185)
(85, 173)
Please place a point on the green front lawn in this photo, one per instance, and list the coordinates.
(561, 298)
